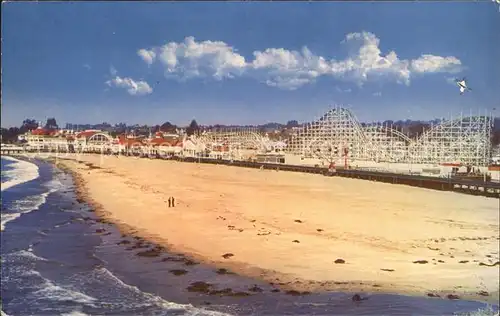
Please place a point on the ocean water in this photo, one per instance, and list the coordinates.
(57, 258)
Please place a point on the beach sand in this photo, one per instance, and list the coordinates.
(303, 232)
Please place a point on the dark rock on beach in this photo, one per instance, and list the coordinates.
(227, 255)
(256, 289)
(155, 252)
(339, 261)
(223, 271)
(358, 298)
(178, 272)
(199, 287)
(452, 297)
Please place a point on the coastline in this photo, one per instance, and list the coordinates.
(84, 172)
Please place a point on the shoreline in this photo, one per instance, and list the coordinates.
(283, 281)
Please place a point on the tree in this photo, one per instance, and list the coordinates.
(168, 127)
(28, 125)
(292, 123)
(10, 135)
(51, 123)
(193, 128)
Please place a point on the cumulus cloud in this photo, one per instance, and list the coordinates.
(432, 64)
(133, 87)
(147, 55)
(291, 69)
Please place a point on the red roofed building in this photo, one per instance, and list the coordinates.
(47, 139)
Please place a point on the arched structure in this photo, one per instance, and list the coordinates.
(100, 139)
(338, 133)
(232, 139)
(464, 140)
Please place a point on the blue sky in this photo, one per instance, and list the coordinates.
(245, 63)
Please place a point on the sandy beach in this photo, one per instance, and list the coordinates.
(303, 232)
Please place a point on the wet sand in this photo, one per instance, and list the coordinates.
(303, 232)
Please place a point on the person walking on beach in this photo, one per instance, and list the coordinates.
(173, 202)
(169, 202)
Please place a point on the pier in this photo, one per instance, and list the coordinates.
(7, 149)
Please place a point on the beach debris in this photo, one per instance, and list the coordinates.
(255, 289)
(358, 298)
(463, 261)
(388, 270)
(263, 232)
(221, 217)
(297, 293)
(227, 255)
(275, 290)
(178, 272)
(199, 287)
(319, 230)
(297, 221)
(421, 261)
(138, 245)
(440, 261)
(296, 241)
(123, 242)
(223, 271)
(489, 265)
(223, 292)
(483, 293)
(339, 261)
(189, 262)
(155, 252)
(376, 285)
(452, 297)
(433, 295)
(173, 259)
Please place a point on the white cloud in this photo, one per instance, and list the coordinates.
(147, 55)
(112, 70)
(133, 87)
(432, 64)
(191, 59)
(290, 69)
(87, 66)
(377, 94)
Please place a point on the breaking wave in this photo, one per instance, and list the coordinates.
(30, 203)
(21, 172)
